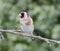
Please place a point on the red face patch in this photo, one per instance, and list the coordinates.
(22, 15)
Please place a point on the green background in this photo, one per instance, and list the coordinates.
(46, 17)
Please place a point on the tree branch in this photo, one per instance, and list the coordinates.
(19, 32)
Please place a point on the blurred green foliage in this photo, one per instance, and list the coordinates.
(46, 17)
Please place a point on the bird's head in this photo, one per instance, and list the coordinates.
(23, 15)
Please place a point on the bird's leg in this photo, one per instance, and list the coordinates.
(21, 32)
(31, 34)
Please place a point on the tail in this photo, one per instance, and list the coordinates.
(1, 36)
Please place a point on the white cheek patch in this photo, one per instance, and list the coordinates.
(25, 15)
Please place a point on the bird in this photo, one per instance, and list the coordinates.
(26, 23)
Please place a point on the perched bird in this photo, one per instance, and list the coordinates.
(26, 23)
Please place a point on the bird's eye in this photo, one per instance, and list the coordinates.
(22, 15)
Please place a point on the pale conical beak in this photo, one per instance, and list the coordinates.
(19, 14)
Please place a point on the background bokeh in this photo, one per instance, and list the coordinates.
(46, 17)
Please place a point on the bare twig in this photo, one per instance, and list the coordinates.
(18, 32)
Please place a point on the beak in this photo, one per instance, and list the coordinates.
(19, 14)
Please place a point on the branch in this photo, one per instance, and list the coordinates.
(19, 32)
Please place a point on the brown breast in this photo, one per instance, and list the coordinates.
(28, 22)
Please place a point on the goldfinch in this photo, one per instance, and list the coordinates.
(26, 23)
